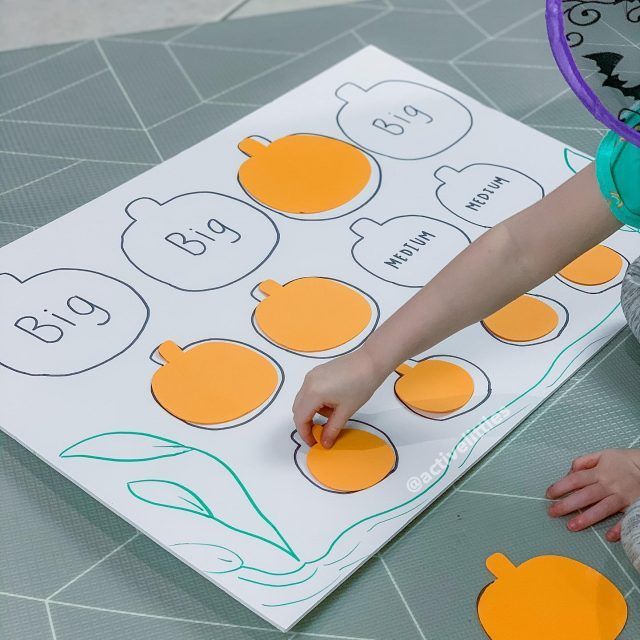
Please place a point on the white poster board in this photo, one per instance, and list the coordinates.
(177, 253)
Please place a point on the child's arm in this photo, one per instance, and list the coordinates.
(508, 260)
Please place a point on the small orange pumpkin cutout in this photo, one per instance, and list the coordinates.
(526, 319)
(595, 267)
(213, 382)
(311, 314)
(303, 173)
(358, 460)
(434, 386)
(550, 597)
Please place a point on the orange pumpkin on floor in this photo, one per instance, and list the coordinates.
(550, 598)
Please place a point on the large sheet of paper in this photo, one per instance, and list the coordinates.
(150, 353)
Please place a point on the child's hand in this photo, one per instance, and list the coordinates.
(602, 484)
(335, 390)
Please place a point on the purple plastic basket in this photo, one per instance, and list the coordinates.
(562, 53)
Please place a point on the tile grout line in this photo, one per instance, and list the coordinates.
(620, 565)
(50, 618)
(626, 595)
(502, 495)
(469, 19)
(182, 70)
(17, 224)
(45, 59)
(404, 601)
(95, 74)
(68, 124)
(49, 175)
(209, 623)
(93, 566)
(47, 155)
(126, 95)
(281, 65)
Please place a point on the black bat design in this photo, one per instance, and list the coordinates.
(607, 62)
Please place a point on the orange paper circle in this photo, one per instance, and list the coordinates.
(305, 173)
(358, 460)
(435, 386)
(523, 320)
(597, 266)
(313, 314)
(214, 382)
(554, 598)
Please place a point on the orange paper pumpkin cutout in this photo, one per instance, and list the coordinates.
(213, 382)
(550, 597)
(358, 460)
(434, 386)
(525, 319)
(597, 266)
(303, 173)
(311, 314)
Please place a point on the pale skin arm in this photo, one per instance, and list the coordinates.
(508, 260)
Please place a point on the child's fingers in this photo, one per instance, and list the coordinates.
(613, 535)
(586, 462)
(578, 500)
(334, 425)
(598, 512)
(303, 412)
(571, 482)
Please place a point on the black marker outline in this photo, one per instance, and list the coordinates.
(191, 193)
(320, 486)
(385, 155)
(573, 285)
(215, 427)
(533, 343)
(476, 164)
(439, 356)
(381, 224)
(307, 217)
(305, 354)
(98, 273)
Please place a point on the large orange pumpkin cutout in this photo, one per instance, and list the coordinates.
(311, 314)
(358, 460)
(434, 386)
(213, 382)
(303, 173)
(550, 598)
(595, 267)
(527, 319)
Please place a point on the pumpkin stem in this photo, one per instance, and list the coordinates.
(499, 565)
(269, 287)
(403, 369)
(169, 350)
(251, 147)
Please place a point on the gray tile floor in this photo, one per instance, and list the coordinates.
(78, 119)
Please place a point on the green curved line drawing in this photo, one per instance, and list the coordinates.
(214, 546)
(284, 584)
(313, 595)
(567, 151)
(172, 443)
(201, 509)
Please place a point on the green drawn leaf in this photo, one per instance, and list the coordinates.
(125, 446)
(212, 558)
(173, 495)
